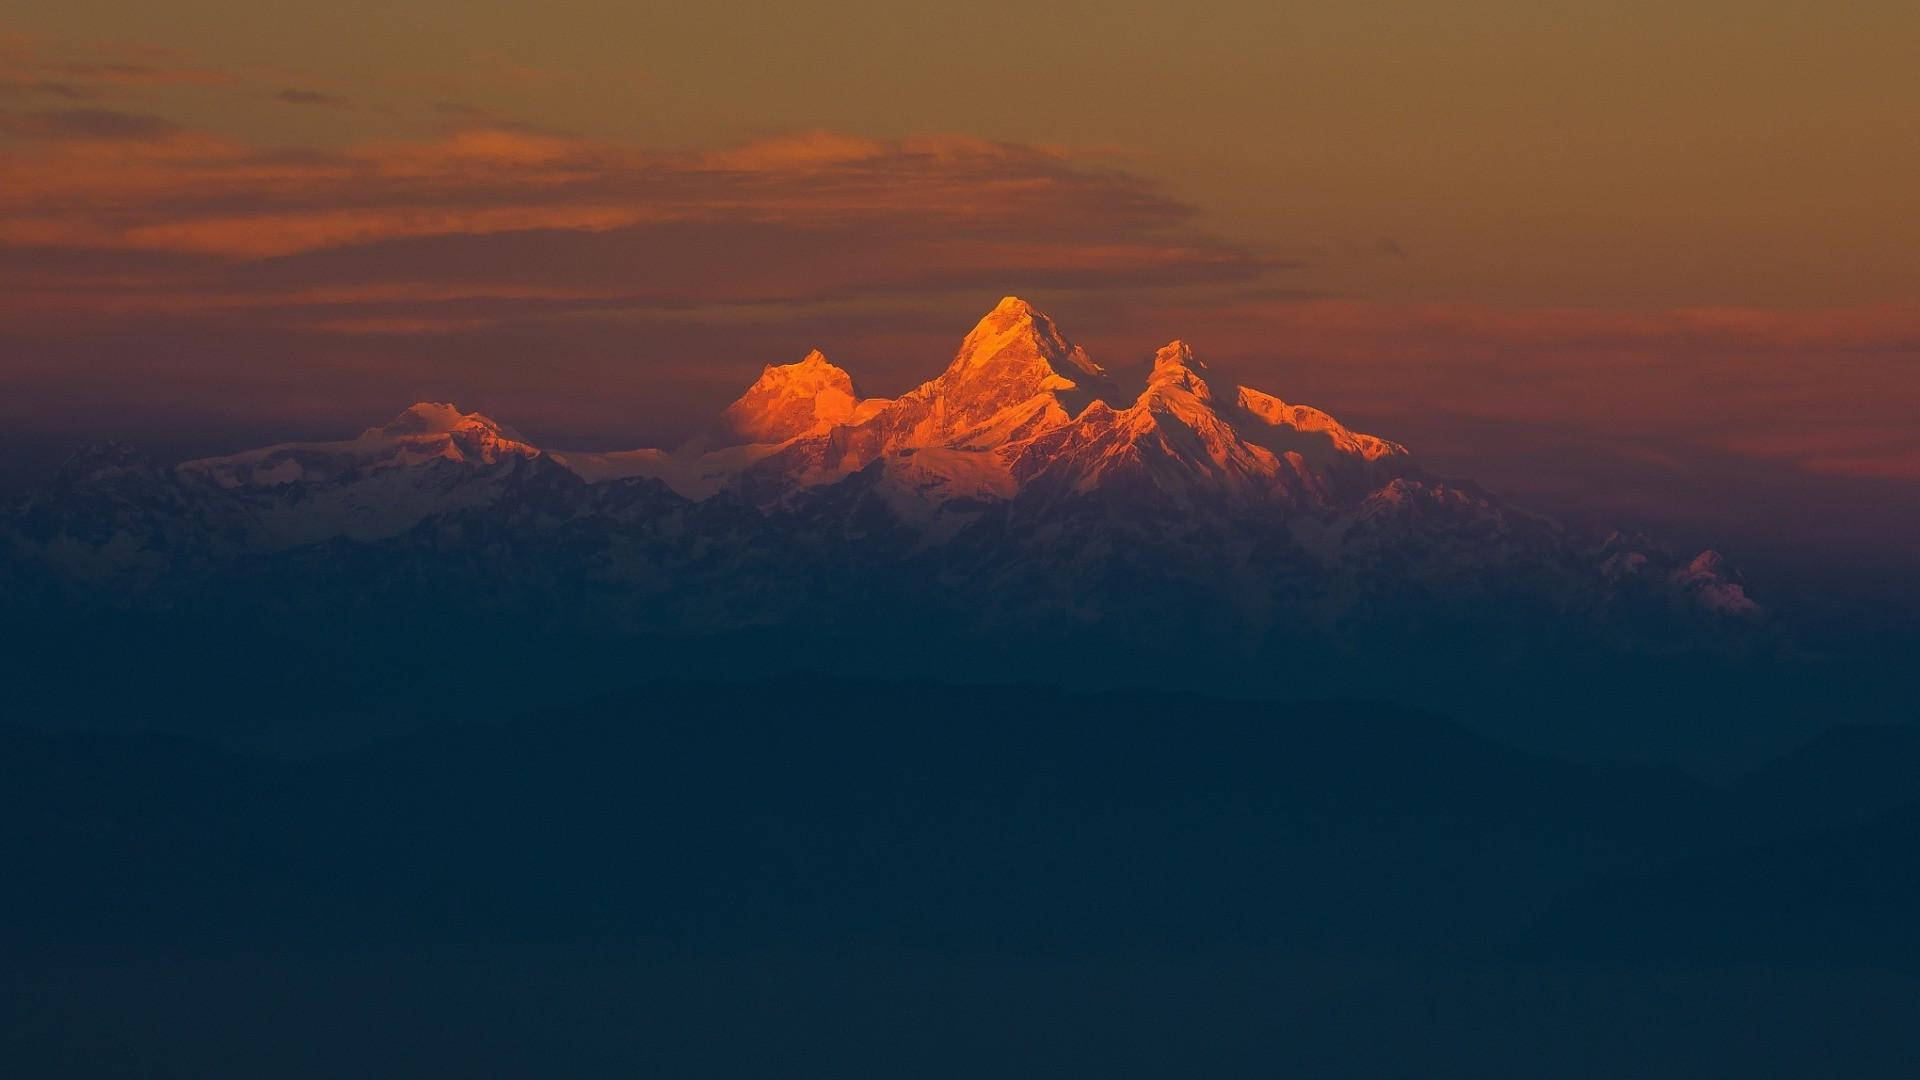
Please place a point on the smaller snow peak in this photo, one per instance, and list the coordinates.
(1708, 562)
(790, 399)
(440, 418)
(810, 372)
(1715, 586)
(1177, 354)
(428, 431)
(1175, 366)
(424, 418)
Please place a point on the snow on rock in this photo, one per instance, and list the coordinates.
(426, 431)
(429, 459)
(693, 474)
(791, 400)
(1019, 403)
(1015, 373)
(1709, 581)
(1021, 471)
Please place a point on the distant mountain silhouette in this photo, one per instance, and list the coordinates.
(737, 879)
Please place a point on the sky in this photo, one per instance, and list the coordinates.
(1649, 262)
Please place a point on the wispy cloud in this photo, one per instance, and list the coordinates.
(32, 64)
(293, 96)
(91, 124)
(20, 88)
(812, 215)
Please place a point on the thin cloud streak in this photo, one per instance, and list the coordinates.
(88, 124)
(29, 63)
(292, 96)
(786, 218)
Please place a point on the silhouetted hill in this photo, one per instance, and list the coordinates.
(908, 812)
(1841, 897)
(805, 876)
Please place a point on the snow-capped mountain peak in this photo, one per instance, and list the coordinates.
(1175, 367)
(423, 432)
(1014, 375)
(438, 418)
(790, 400)
(1015, 334)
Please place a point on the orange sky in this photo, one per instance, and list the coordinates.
(1670, 252)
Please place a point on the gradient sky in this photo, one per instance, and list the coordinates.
(1649, 261)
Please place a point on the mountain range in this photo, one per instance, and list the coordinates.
(1023, 486)
(1028, 711)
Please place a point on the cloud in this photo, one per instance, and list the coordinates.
(1899, 465)
(292, 96)
(812, 215)
(82, 124)
(124, 74)
(1860, 449)
(48, 87)
(32, 64)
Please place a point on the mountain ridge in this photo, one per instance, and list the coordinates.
(1019, 487)
(1016, 400)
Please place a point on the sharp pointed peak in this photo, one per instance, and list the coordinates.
(1017, 327)
(1014, 315)
(1012, 312)
(810, 371)
(1177, 353)
(1175, 366)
